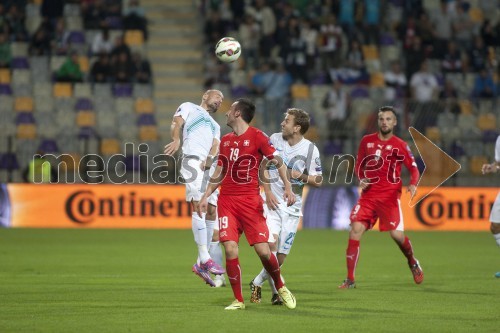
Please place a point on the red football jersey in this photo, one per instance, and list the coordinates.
(240, 157)
(381, 161)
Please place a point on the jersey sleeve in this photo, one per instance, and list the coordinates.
(183, 111)
(314, 167)
(216, 131)
(222, 158)
(410, 164)
(359, 158)
(265, 146)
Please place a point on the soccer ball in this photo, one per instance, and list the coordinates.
(228, 49)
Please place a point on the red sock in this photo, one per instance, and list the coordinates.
(233, 271)
(351, 255)
(407, 250)
(273, 268)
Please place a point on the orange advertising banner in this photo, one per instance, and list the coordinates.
(450, 208)
(98, 206)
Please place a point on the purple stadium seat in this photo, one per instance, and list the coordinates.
(146, 120)
(386, 40)
(319, 79)
(86, 133)
(25, 118)
(239, 91)
(48, 146)
(360, 92)
(8, 161)
(122, 90)
(84, 104)
(132, 163)
(114, 22)
(5, 89)
(20, 63)
(76, 37)
(456, 150)
(333, 148)
(489, 136)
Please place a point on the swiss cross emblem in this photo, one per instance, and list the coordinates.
(246, 143)
(370, 145)
(226, 144)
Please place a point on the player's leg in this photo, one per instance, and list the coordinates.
(215, 251)
(495, 223)
(233, 269)
(358, 228)
(391, 219)
(495, 230)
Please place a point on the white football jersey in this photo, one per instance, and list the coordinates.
(497, 149)
(304, 157)
(199, 130)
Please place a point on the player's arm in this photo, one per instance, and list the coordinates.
(314, 176)
(265, 180)
(175, 128)
(411, 165)
(490, 167)
(312, 180)
(360, 172)
(206, 164)
(213, 184)
(282, 171)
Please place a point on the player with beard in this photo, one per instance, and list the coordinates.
(378, 167)
(200, 145)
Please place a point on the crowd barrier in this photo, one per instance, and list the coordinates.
(164, 206)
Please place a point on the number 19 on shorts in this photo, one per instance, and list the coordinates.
(223, 222)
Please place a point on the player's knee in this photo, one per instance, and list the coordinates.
(211, 213)
(273, 246)
(495, 228)
(231, 249)
(215, 236)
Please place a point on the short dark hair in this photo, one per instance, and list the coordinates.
(388, 108)
(247, 109)
(301, 118)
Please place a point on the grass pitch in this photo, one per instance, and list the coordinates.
(141, 281)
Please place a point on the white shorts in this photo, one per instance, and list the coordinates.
(284, 225)
(196, 182)
(495, 210)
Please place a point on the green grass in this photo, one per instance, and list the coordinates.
(141, 281)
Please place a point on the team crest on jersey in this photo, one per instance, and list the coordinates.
(370, 145)
(246, 143)
(226, 143)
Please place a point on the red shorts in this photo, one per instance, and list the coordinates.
(387, 210)
(242, 214)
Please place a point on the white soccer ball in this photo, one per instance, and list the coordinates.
(228, 49)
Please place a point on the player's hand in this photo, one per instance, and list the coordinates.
(289, 197)
(172, 147)
(295, 174)
(202, 206)
(206, 164)
(271, 201)
(364, 183)
(488, 168)
(413, 190)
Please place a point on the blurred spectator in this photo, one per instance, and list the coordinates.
(249, 36)
(408, 32)
(346, 16)
(452, 59)
(395, 83)
(215, 28)
(371, 21)
(442, 20)
(142, 69)
(484, 87)
(425, 30)
(424, 85)
(52, 9)
(330, 43)
(70, 70)
(119, 47)
(415, 56)
(122, 68)
(15, 19)
(295, 58)
(463, 28)
(310, 35)
(60, 41)
(264, 15)
(102, 42)
(4, 26)
(94, 14)
(449, 97)
(488, 34)
(101, 69)
(478, 55)
(353, 70)
(336, 103)
(354, 57)
(5, 51)
(40, 43)
(135, 18)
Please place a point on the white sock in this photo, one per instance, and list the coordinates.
(259, 279)
(497, 238)
(210, 229)
(200, 237)
(215, 252)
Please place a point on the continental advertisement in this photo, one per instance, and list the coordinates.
(164, 206)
